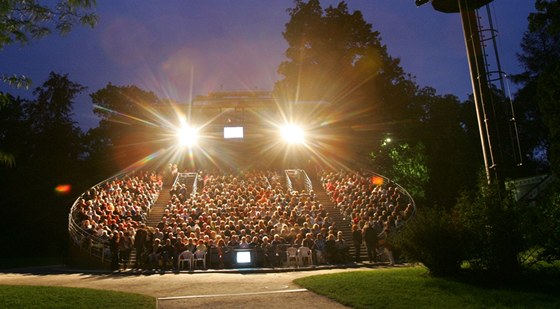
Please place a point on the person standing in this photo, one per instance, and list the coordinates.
(387, 248)
(357, 240)
(125, 247)
(139, 243)
(114, 247)
(370, 238)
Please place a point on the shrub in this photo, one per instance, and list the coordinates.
(433, 239)
(543, 230)
(492, 223)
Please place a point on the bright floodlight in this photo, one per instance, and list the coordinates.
(187, 136)
(292, 134)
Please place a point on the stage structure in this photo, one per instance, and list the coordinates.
(491, 113)
(254, 128)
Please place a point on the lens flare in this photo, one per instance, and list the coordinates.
(63, 189)
(376, 180)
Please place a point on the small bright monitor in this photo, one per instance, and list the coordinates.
(243, 257)
(233, 132)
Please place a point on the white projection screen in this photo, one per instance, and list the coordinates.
(233, 132)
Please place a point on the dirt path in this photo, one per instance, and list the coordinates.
(201, 289)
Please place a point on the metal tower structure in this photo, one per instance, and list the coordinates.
(485, 82)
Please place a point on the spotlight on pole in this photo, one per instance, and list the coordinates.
(187, 136)
(292, 134)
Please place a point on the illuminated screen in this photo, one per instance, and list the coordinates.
(243, 257)
(233, 132)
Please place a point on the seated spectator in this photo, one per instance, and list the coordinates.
(155, 254)
(243, 244)
(342, 248)
(201, 246)
(331, 252)
(167, 254)
(319, 245)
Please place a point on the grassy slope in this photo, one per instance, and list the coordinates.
(413, 288)
(62, 297)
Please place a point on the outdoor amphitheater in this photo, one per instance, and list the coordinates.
(229, 197)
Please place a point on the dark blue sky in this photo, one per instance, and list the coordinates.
(237, 45)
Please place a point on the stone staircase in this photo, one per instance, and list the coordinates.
(157, 210)
(340, 222)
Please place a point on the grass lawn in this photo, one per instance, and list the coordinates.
(12, 296)
(414, 288)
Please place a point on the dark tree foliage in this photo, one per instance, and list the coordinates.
(485, 229)
(46, 144)
(436, 240)
(540, 95)
(450, 149)
(334, 55)
(12, 121)
(541, 79)
(128, 126)
(545, 236)
(21, 21)
(493, 226)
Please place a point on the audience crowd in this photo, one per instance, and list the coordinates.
(361, 201)
(247, 210)
(112, 211)
(376, 208)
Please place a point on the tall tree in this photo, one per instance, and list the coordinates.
(541, 78)
(334, 55)
(50, 115)
(451, 149)
(46, 144)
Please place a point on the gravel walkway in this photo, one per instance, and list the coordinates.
(239, 289)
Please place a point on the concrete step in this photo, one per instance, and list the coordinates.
(334, 212)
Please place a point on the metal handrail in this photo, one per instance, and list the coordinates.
(307, 181)
(96, 245)
(403, 190)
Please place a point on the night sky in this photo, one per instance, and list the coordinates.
(180, 49)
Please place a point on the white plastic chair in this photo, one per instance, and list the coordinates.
(292, 256)
(186, 257)
(305, 255)
(200, 256)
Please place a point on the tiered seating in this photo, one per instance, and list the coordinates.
(362, 201)
(249, 210)
(217, 213)
(114, 209)
(370, 201)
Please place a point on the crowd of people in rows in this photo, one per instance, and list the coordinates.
(115, 208)
(247, 210)
(376, 209)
